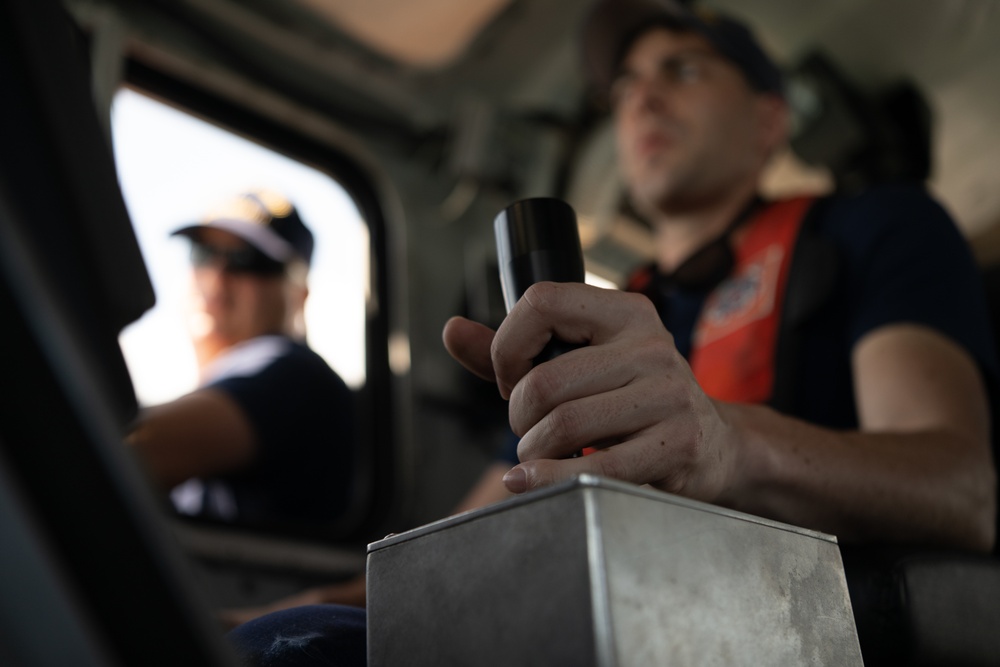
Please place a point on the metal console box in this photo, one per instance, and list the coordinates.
(602, 573)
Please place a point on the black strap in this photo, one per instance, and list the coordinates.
(713, 262)
(812, 280)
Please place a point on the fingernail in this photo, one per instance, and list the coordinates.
(516, 481)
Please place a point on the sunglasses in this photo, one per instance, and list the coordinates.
(246, 260)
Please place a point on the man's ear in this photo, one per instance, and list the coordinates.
(774, 119)
(300, 294)
(296, 311)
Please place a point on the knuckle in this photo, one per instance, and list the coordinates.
(611, 464)
(673, 483)
(524, 450)
(539, 383)
(497, 351)
(542, 473)
(541, 296)
(518, 423)
(656, 354)
(643, 308)
(686, 405)
(565, 423)
(640, 302)
(650, 360)
(499, 363)
(659, 385)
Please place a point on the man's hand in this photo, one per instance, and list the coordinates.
(917, 470)
(627, 392)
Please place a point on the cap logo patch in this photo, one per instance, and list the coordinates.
(275, 203)
(242, 208)
(259, 207)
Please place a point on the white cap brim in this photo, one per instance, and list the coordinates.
(260, 237)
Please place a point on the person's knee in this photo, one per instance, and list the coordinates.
(314, 635)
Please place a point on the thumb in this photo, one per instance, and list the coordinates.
(539, 473)
(469, 343)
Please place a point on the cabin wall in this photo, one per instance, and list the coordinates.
(455, 422)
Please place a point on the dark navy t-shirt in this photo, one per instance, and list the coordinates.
(302, 413)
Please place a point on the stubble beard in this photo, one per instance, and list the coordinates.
(667, 194)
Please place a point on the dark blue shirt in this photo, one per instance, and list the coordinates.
(901, 259)
(302, 414)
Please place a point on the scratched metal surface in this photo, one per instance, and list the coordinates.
(601, 573)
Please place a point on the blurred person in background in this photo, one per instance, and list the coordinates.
(269, 436)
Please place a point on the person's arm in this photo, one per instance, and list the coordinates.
(199, 434)
(918, 470)
(351, 592)
(488, 489)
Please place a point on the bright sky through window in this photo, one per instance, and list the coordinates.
(172, 168)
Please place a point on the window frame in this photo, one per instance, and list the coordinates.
(375, 498)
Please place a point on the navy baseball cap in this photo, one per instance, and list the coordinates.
(264, 219)
(613, 25)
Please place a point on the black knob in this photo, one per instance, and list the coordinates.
(538, 239)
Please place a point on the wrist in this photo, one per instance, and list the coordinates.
(745, 459)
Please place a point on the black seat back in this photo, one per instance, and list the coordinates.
(84, 540)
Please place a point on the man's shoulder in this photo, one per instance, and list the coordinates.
(248, 358)
(870, 217)
(303, 362)
(884, 204)
(266, 354)
(273, 366)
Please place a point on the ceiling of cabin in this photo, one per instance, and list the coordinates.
(950, 48)
(425, 34)
(417, 61)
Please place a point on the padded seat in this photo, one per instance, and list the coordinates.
(925, 608)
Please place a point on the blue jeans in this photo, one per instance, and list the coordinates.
(311, 636)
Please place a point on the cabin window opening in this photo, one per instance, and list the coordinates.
(173, 168)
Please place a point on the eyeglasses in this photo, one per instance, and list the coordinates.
(680, 68)
(246, 260)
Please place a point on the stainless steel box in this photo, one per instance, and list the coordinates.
(598, 572)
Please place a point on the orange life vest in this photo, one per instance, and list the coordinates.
(734, 343)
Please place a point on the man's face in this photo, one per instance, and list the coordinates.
(688, 125)
(230, 304)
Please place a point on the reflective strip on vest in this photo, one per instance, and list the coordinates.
(734, 343)
(733, 351)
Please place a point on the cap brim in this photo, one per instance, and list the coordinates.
(610, 24)
(261, 238)
(613, 24)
